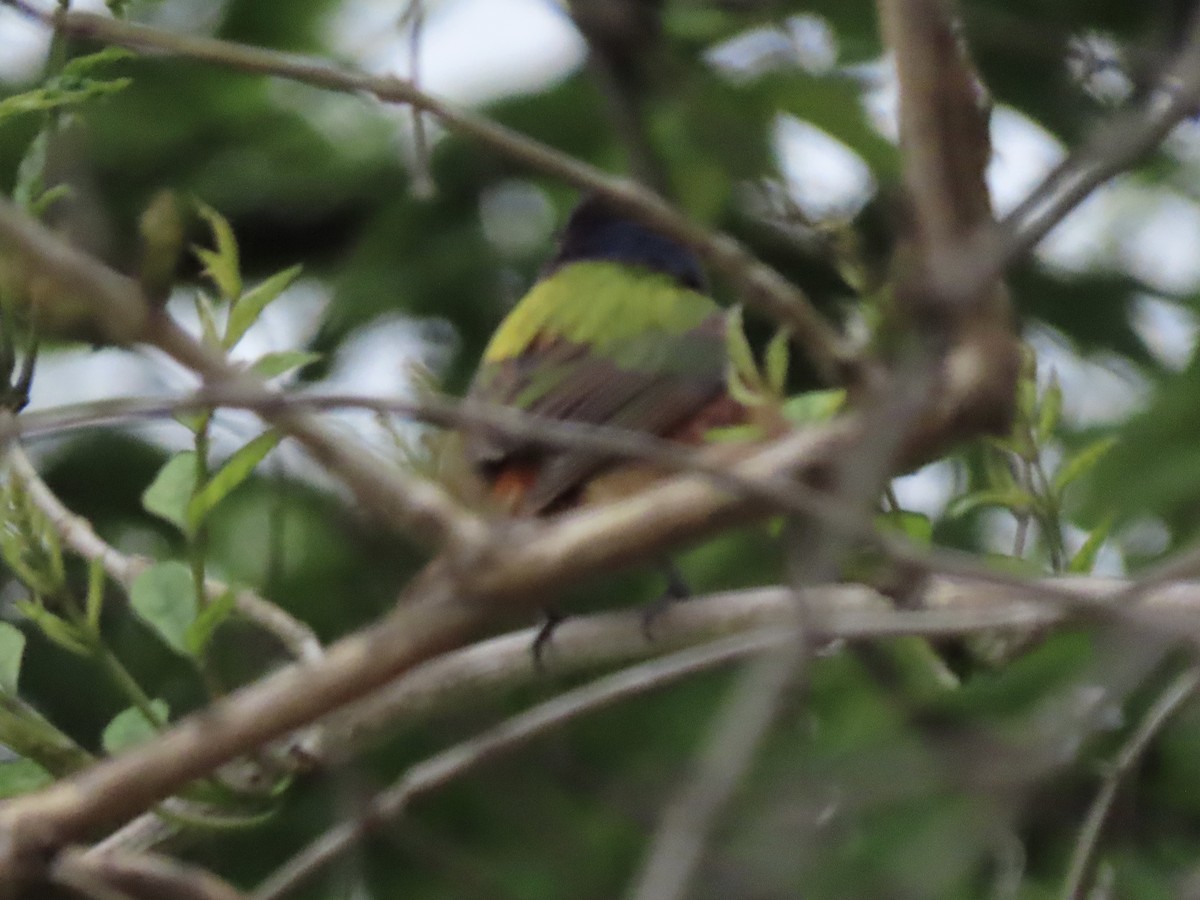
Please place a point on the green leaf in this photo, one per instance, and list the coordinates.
(1079, 464)
(1050, 413)
(48, 198)
(56, 629)
(59, 94)
(247, 309)
(271, 365)
(1014, 499)
(777, 363)
(164, 596)
(220, 264)
(95, 594)
(740, 391)
(171, 491)
(915, 526)
(195, 422)
(997, 469)
(1026, 399)
(741, 357)
(22, 776)
(732, 434)
(208, 320)
(30, 184)
(1085, 557)
(200, 632)
(82, 65)
(12, 648)
(814, 406)
(236, 470)
(130, 727)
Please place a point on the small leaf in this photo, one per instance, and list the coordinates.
(195, 422)
(1050, 413)
(12, 648)
(997, 468)
(777, 363)
(48, 198)
(95, 594)
(22, 776)
(236, 470)
(247, 309)
(1082, 462)
(1015, 500)
(1026, 399)
(741, 357)
(171, 491)
(731, 434)
(56, 629)
(1084, 559)
(29, 184)
(814, 406)
(59, 93)
(221, 264)
(740, 391)
(916, 527)
(130, 727)
(164, 596)
(208, 320)
(272, 365)
(200, 632)
(82, 65)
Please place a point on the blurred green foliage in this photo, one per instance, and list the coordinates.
(881, 780)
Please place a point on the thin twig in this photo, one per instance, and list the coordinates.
(423, 186)
(1178, 692)
(509, 735)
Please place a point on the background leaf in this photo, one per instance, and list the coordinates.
(12, 648)
(164, 597)
(129, 728)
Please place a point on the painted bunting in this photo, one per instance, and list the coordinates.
(616, 331)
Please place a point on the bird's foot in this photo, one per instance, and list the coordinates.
(676, 591)
(553, 618)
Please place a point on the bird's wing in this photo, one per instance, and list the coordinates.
(660, 364)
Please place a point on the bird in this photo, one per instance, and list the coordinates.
(617, 330)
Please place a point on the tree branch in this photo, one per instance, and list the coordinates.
(509, 735)
(138, 876)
